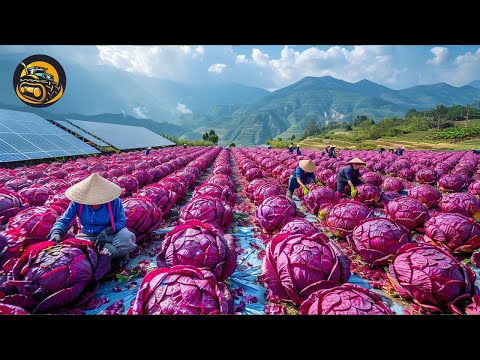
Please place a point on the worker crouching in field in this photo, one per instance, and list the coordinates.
(301, 176)
(101, 216)
(350, 175)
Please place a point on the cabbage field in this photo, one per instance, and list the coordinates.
(218, 235)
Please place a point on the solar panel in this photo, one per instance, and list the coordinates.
(82, 133)
(123, 136)
(25, 136)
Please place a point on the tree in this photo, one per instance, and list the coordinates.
(411, 113)
(440, 113)
(311, 129)
(231, 145)
(211, 136)
(348, 128)
(292, 137)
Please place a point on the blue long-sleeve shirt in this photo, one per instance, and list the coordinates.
(306, 177)
(92, 221)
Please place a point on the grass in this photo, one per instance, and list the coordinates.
(411, 141)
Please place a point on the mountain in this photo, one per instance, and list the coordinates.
(475, 84)
(285, 112)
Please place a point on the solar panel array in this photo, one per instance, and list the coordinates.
(123, 136)
(25, 136)
(82, 133)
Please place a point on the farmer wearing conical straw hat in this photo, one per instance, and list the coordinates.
(95, 200)
(301, 176)
(350, 175)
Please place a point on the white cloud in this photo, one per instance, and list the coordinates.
(186, 49)
(183, 109)
(140, 112)
(200, 50)
(467, 68)
(217, 68)
(259, 58)
(361, 62)
(241, 59)
(440, 55)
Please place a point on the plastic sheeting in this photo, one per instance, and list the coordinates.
(248, 293)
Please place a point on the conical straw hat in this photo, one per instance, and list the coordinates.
(307, 165)
(357, 161)
(93, 190)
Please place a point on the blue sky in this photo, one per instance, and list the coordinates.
(275, 66)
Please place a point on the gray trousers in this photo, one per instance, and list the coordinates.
(120, 244)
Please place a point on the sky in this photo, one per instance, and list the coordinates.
(275, 66)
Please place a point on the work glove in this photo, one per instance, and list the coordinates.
(305, 190)
(318, 182)
(353, 192)
(56, 236)
(101, 240)
(108, 230)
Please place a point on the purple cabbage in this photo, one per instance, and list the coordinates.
(299, 226)
(461, 203)
(33, 224)
(199, 244)
(453, 232)
(377, 240)
(295, 266)
(143, 216)
(35, 195)
(408, 212)
(6, 309)
(432, 278)
(474, 189)
(426, 176)
(343, 218)
(265, 190)
(48, 277)
(426, 194)
(346, 299)
(163, 198)
(275, 211)
(183, 290)
(10, 205)
(368, 194)
(318, 196)
(393, 184)
(388, 196)
(216, 191)
(452, 182)
(208, 209)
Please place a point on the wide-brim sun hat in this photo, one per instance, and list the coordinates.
(307, 165)
(357, 161)
(93, 190)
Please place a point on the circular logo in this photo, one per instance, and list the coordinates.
(39, 81)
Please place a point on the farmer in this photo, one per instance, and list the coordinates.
(301, 176)
(476, 152)
(390, 150)
(148, 150)
(350, 175)
(332, 152)
(399, 151)
(290, 149)
(95, 201)
(381, 150)
(298, 150)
